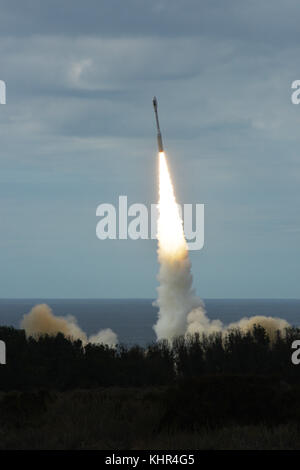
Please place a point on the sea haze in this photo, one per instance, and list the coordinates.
(132, 319)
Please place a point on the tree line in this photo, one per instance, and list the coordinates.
(58, 363)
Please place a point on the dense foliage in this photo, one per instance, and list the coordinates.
(57, 363)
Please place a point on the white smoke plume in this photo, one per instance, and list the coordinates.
(41, 320)
(175, 294)
(180, 310)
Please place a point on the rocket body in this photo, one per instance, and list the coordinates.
(159, 138)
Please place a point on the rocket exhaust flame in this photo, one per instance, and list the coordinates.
(170, 228)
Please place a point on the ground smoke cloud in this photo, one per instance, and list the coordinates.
(41, 320)
(198, 322)
(270, 324)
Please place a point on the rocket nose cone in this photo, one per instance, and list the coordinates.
(154, 101)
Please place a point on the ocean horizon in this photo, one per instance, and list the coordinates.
(133, 319)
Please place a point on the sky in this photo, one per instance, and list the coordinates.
(78, 130)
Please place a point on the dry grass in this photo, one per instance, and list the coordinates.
(119, 419)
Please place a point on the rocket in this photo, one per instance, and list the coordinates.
(159, 139)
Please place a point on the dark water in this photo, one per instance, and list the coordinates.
(132, 319)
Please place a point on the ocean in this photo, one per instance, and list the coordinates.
(132, 319)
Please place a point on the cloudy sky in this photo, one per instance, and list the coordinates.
(78, 130)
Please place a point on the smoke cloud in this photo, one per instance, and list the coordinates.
(41, 320)
(270, 324)
(176, 297)
(198, 322)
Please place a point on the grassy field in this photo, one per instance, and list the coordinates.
(126, 418)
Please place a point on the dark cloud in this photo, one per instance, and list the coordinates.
(275, 21)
